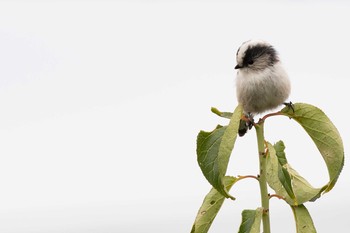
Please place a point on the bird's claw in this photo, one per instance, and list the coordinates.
(250, 121)
(289, 105)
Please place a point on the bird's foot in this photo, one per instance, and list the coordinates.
(250, 121)
(246, 123)
(289, 105)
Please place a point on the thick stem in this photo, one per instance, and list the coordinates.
(262, 177)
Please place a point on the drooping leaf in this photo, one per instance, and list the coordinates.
(208, 144)
(303, 220)
(285, 180)
(325, 136)
(210, 207)
(214, 150)
(251, 221)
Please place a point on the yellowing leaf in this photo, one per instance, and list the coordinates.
(303, 220)
(324, 134)
(302, 189)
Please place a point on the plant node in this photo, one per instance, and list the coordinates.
(277, 196)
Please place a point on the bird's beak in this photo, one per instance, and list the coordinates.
(238, 66)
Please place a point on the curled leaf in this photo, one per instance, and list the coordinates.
(325, 136)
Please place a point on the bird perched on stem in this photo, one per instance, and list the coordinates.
(262, 84)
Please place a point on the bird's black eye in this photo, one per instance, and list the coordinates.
(250, 62)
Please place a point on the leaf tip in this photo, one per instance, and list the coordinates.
(215, 111)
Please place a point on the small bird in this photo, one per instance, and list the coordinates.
(262, 84)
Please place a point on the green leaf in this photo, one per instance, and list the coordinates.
(283, 174)
(302, 189)
(273, 178)
(210, 207)
(214, 150)
(251, 221)
(279, 147)
(325, 136)
(303, 220)
(227, 115)
(285, 180)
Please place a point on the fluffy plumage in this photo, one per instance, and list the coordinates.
(262, 83)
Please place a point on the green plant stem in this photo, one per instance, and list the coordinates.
(262, 176)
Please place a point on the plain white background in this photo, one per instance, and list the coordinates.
(101, 102)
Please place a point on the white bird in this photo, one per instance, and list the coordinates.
(262, 84)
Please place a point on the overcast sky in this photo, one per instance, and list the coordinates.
(101, 103)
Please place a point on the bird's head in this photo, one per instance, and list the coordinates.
(256, 55)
